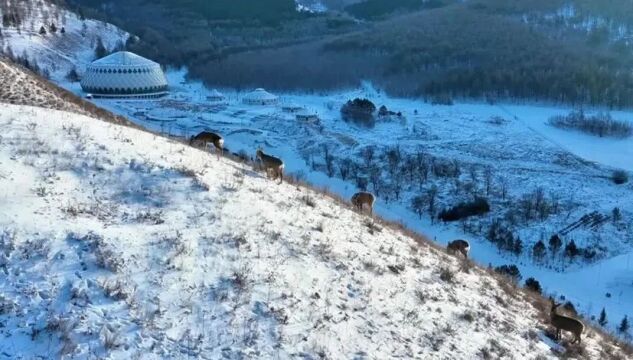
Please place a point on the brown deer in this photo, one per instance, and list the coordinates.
(363, 198)
(562, 322)
(459, 245)
(207, 137)
(273, 164)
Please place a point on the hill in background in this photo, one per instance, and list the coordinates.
(573, 52)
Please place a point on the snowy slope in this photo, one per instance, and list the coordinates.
(115, 242)
(58, 52)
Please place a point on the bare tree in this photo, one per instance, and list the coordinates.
(503, 186)
(431, 194)
(394, 156)
(345, 167)
(329, 161)
(375, 176)
(368, 155)
(418, 204)
(488, 179)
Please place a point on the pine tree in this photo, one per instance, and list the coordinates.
(517, 247)
(53, 28)
(555, 243)
(100, 50)
(534, 285)
(616, 214)
(603, 318)
(571, 250)
(624, 325)
(538, 250)
(72, 75)
(42, 30)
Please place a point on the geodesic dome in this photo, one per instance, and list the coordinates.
(260, 97)
(124, 74)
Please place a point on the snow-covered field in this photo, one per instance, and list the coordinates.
(118, 243)
(57, 52)
(513, 141)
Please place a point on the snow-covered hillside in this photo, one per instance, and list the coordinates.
(115, 242)
(71, 45)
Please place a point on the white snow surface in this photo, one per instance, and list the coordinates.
(117, 243)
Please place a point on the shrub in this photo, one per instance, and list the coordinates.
(463, 210)
(538, 250)
(600, 124)
(512, 271)
(534, 285)
(359, 110)
(447, 275)
(571, 250)
(72, 75)
(624, 325)
(620, 177)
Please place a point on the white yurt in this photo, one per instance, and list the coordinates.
(260, 97)
(124, 74)
(216, 97)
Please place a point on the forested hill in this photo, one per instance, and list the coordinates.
(569, 51)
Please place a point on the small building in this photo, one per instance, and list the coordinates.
(307, 116)
(292, 108)
(260, 97)
(124, 75)
(216, 97)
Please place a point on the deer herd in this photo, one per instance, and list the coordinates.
(274, 167)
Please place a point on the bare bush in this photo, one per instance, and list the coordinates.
(447, 275)
(308, 200)
(620, 177)
(116, 289)
(110, 339)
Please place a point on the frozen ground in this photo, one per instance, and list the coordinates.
(117, 243)
(514, 141)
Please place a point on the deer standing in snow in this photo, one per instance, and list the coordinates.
(562, 322)
(459, 245)
(207, 137)
(363, 198)
(272, 164)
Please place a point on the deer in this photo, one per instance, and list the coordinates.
(273, 164)
(363, 198)
(207, 137)
(562, 322)
(459, 245)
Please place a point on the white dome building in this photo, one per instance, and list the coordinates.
(260, 97)
(124, 74)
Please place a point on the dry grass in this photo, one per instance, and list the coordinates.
(20, 86)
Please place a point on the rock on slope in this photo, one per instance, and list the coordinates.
(115, 242)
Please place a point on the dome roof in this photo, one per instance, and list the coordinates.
(123, 58)
(124, 74)
(261, 95)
